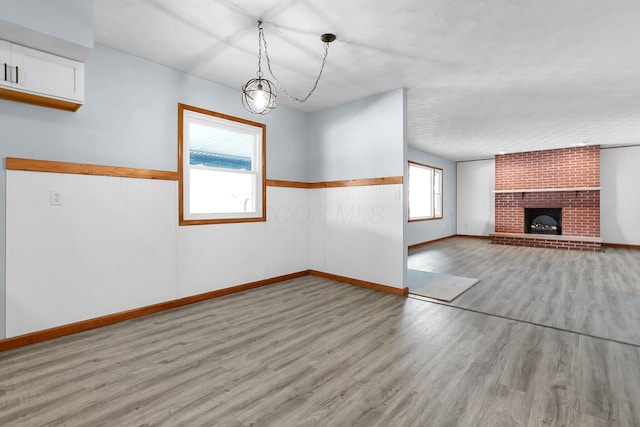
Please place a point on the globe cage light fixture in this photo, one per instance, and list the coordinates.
(259, 94)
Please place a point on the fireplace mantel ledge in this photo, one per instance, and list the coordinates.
(548, 237)
(548, 190)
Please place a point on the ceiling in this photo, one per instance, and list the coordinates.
(482, 76)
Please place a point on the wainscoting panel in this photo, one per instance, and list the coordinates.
(317, 229)
(113, 244)
(108, 247)
(364, 233)
(218, 256)
(288, 216)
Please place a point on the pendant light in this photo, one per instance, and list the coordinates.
(259, 94)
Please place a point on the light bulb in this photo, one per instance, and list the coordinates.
(260, 98)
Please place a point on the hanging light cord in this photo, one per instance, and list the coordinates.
(266, 54)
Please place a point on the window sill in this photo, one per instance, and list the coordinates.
(423, 219)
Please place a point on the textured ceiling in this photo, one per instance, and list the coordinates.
(481, 76)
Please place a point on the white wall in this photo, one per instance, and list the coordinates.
(475, 197)
(424, 231)
(317, 244)
(109, 247)
(360, 235)
(114, 245)
(620, 195)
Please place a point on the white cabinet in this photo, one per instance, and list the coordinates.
(35, 77)
(5, 63)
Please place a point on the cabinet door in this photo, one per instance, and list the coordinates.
(5, 63)
(46, 74)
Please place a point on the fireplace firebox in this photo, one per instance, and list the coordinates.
(543, 221)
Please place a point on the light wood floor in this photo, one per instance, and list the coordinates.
(312, 352)
(595, 293)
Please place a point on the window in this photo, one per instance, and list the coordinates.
(425, 192)
(221, 167)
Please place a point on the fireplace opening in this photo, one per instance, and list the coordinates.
(543, 220)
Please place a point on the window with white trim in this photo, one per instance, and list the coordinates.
(425, 192)
(221, 168)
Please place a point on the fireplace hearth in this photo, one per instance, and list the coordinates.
(543, 221)
(560, 188)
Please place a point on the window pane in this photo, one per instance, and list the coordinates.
(438, 205)
(420, 198)
(220, 147)
(221, 192)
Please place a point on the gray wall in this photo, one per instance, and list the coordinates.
(361, 139)
(424, 231)
(63, 27)
(70, 20)
(130, 119)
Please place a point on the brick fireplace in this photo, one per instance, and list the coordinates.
(566, 181)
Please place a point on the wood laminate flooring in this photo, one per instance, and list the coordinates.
(313, 352)
(594, 293)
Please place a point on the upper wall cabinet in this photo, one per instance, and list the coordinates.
(35, 77)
